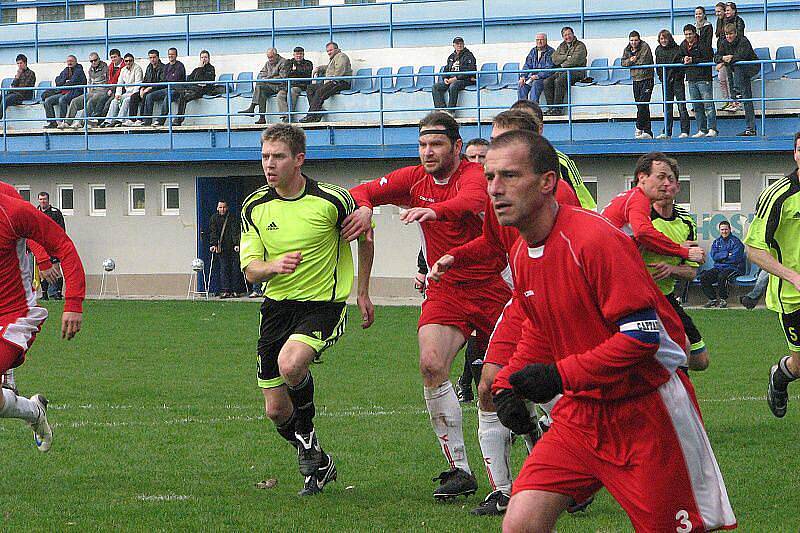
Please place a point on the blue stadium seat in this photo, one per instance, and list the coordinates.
(784, 69)
(508, 79)
(424, 79)
(596, 75)
(405, 80)
(616, 76)
(748, 279)
(360, 84)
(763, 53)
(37, 93)
(223, 87)
(380, 83)
(6, 83)
(244, 85)
(485, 79)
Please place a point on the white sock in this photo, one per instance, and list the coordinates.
(18, 407)
(495, 441)
(445, 413)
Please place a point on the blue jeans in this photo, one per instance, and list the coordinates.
(533, 91)
(60, 100)
(150, 100)
(704, 112)
(760, 287)
(11, 99)
(742, 88)
(440, 89)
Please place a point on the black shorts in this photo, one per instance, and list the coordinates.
(695, 339)
(317, 324)
(791, 328)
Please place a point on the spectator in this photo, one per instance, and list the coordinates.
(273, 69)
(205, 72)
(725, 79)
(732, 17)
(727, 251)
(71, 75)
(153, 74)
(540, 59)
(669, 53)
(475, 150)
(24, 77)
(130, 76)
(638, 53)
(703, 27)
(224, 232)
(730, 51)
(51, 290)
(570, 53)
(98, 75)
(297, 67)
(698, 79)
(99, 104)
(338, 66)
(174, 72)
(461, 60)
(750, 300)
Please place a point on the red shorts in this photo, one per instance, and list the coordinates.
(506, 334)
(17, 333)
(469, 308)
(651, 453)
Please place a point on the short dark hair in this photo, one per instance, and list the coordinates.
(541, 154)
(458, 40)
(528, 105)
(565, 28)
(299, 49)
(21, 57)
(222, 201)
(332, 43)
(172, 49)
(517, 120)
(668, 34)
(478, 141)
(732, 5)
(206, 52)
(645, 164)
(294, 137)
(690, 27)
(701, 8)
(129, 55)
(114, 51)
(444, 120)
(724, 223)
(634, 33)
(153, 51)
(720, 4)
(796, 138)
(45, 194)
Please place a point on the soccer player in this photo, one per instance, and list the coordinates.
(447, 196)
(291, 240)
(599, 332)
(773, 243)
(20, 318)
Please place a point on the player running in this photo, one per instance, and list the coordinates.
(291, 240)
(598, 331)
(447, 196)
(20, 318)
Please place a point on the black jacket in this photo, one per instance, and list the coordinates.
(706, 34)
(299, 69)
(55, 214)
(740, 49)
(669, 55)
(154, 75)
(230, 237)
(699, 53)
(463, 62)
(205, 73)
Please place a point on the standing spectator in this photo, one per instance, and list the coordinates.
(174, 71)
(187, 93)
(704, 29)
(51, 290)
(461, 60)
(24, 77)
(727, 251)
(224, 232)
(725, 79)
(98, 75)
(297, 67)
(669, 53)
(318, 92)
(540, 58)
(153, 74)
(730, 51)
(750, 300)
(273, 69)
(71, 75)
(698, 79)
(732, 17)
(570, 53)
(475, 150)
(99, 104)
(638, 53)
(120, 103)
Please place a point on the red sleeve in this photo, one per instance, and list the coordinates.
(565, 194)
(470, 199)
(42, 259)
(486, 248)
(31, 224)
(531, 348)
(393, 188)
(637, 213)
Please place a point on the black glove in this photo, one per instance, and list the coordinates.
(512, 412)
(537, 382)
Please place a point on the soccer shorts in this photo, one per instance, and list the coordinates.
(470, 307)
(650, 452)
(506, 334)
(698, 345)
(316, 324)
(17, 333)
(791, 328)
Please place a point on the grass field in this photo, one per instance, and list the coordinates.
(159, 426)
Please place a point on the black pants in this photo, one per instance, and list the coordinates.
(228, 268)
(642, 91)
(555, 88)
(319, 92)
(184, 97)
(722, 277)
(133, 104)
(675, 91)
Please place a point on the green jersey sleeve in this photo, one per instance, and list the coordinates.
(251, 247)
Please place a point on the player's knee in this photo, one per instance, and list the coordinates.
(485, 395)
(516, 520)
(432, 366)
(292, 366)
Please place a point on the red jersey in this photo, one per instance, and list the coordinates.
(42, 258)
(630, 212)
(458, 203)
(19, 221)
(574, 289)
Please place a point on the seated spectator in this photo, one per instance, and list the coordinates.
(475, 150)
(540, 58)
(153, 74)
(318, 92)
(130, 75)
(750, 300)
(570, 53)
(98, 75)
(71, 75)
(730, 51)
(727, 251)
(98, 105)
(273, 69)
(297, 67)
(669, 53)
(703, 27)
(638, 53)
(725, 77)
(461, 60)
(698, 79)
(174, 71)
(24, 77)
(187, 93)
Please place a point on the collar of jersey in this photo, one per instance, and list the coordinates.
(298, 197)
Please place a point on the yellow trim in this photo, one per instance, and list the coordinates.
(271, 383)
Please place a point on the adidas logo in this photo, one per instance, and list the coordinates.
(272, 226)
(317, 334)
(796, 215)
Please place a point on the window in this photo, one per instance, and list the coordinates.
(24, 191)
(97, 200)
(136, 199)
(203, 6)
(591, 184)
(269, 4)
(730, 193)
(359, 1)
(770, 179)
(629, 182)
(66, 199)
(684, 198)
(8, 15)
(171, 196)
(128, 9)
(59, 12)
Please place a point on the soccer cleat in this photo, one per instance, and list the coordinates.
(580, 507)
(710, 304)
(455, 482)
(42, 432)
(722, 304)
(748, 302)
(309, 454)
(495, 504)
(464, 394)
(315, 482)
(777, 399)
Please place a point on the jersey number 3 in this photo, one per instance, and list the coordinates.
(684, 524)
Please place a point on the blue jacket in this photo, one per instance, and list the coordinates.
(74, 76)
(544, 63)
(728, 253)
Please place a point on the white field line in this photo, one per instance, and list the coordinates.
(162, 497)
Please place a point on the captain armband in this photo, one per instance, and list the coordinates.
(642, 325)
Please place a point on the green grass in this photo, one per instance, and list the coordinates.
(159, 426)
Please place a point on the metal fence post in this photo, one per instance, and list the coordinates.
(36, 39)
(391, 25)
(483, 21)
(569, 104)
(763, 101)
(188, 52)
(106, 37)
(664, 82)
(330, 23)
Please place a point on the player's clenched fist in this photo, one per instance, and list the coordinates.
(287, 264)
(512, 412)
(441, 266)
(537, 382)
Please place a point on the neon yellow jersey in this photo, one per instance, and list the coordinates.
(681, 227)
(571, 174)
(273, 226)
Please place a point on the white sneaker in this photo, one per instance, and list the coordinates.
(698, 135)
(637, 132)
(683, 135)
(42, 432)
(127, 123)
(662, 136)
(62, 125)
(646, 135)
(137, 123)
(711, 133)
(76, 125)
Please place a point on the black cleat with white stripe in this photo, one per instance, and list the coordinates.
(453, 483)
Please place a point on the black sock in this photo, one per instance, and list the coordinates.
(466, 375)
(475, 357)
(302, 397)
(286, 429)
(784, 376)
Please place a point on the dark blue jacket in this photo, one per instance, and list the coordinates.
(728, 253)
(74, 76)
(545, 62)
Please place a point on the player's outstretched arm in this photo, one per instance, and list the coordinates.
(366, 256)
(258, 271)
(765, 260)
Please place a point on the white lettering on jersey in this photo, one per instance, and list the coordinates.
(383, 181)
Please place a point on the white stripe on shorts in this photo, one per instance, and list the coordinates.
(22, 330)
